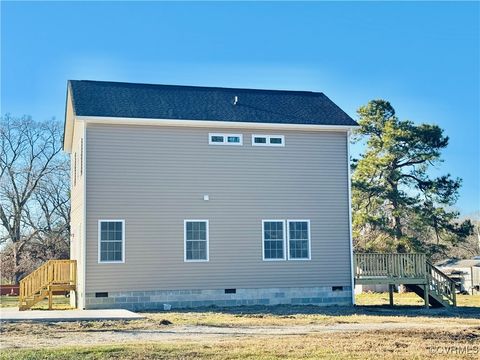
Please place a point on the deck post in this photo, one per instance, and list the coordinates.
(426, 295)
(390, 294)
(454, 293)
(50, 300)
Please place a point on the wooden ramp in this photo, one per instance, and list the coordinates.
(411, 270)
(54, 275)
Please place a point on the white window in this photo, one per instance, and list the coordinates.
(225, 139)
(298, 239)
(268, 140)
(196, 240)
(111, 241)
(273, 239)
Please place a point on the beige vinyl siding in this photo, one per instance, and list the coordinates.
(77, 207)
(155, 177)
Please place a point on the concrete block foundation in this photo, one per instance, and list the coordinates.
(180, 299)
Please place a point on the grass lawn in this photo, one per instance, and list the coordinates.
(60, 302)
(385, 345)
(406, 333)
(410, 298)
(395, 344)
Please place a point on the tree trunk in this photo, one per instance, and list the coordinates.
(16, 263)
(397, 221)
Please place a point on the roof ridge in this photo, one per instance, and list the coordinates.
(303, 92)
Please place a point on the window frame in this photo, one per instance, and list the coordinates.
(284, 239)
(225, 139)
(100, 261)
(207, 229)
(268, 137)
(309, 240)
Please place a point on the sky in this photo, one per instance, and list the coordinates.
(422, 57)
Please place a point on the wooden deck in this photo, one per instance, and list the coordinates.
(54, 275)
(390, 269)
(412, 270)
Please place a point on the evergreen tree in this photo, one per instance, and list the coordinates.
(397, 204)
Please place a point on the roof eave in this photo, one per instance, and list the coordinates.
(212, 123)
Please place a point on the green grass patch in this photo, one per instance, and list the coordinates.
(410, 298)
(60, 302)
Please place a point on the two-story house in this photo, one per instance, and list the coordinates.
(197, 196)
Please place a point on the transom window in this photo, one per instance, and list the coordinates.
(268, 140)
(299, 239)
(196, 240)
(273, 239)
(225, 139)
(111, 241)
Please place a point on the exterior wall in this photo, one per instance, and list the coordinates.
(155, 177)
(77, 211)
(469, 276)
(151, 299)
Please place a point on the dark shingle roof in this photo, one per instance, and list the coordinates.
(115, 99)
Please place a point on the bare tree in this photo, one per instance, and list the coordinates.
(49, 214)
(470, 248)
(30, 156)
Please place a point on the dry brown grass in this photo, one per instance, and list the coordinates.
(366, 345)
(444, 334)
(410, 298)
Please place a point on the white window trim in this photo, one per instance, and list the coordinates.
(99, 241)
(309, 240)
(225, 139)
(284, 239)
(185, 240)
(268, 137)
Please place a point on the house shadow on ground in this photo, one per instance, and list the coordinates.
(466, 312)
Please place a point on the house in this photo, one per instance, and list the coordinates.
(196, 196)
(465, 272)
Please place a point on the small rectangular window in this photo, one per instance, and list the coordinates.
(225, 139)
(111, 241)
(268, 140)
(299, 239)
(276, 140)
(259, 140)
(273, 239)
(196, 240)
(233, 139)
(216, 139)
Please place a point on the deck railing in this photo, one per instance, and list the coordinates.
(376, 265)
(53, 272)
(441, 284)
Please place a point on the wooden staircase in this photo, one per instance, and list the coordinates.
(440, 288)
(54, 275)
(412, 270)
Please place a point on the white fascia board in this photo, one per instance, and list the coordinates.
(69, 124)
(210, 124)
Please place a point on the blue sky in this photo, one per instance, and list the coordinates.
(422, 57)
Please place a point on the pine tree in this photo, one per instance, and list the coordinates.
(397, 204)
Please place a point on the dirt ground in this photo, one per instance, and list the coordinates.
(204, 326)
